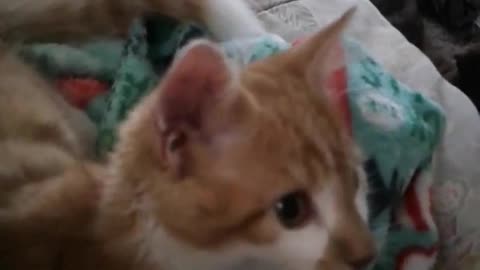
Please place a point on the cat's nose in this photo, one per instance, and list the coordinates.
(356, 247)
(361, 258)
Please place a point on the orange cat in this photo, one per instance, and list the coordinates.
(218, 168)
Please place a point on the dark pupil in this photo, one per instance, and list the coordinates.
(291, 210)
(178, 141)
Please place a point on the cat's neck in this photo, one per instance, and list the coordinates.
(128, 229)
(132, 233)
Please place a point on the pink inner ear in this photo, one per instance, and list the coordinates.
(334, 80)
(334, 59)
(329, 75)
(323, 71)
(337, 92)
(193, 83)
(193, 86)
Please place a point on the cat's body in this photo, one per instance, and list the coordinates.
(215, 169)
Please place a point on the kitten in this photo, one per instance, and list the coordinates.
(218, 168)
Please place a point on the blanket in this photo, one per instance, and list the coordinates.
(397, 128)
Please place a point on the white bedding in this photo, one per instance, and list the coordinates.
(456, 193)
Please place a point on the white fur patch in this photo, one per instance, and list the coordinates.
(231, 19)
(296, 249)
(293, 249)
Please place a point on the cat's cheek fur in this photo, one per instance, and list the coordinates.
(296, 249)
(292, 249)
(303, 248)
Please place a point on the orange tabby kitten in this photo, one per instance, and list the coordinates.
(217, 168)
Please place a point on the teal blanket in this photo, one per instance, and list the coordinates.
(397, 128)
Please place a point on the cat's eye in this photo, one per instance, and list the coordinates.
(176, 141)
(294, 210)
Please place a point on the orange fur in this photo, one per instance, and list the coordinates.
(31, 20)
(196, 178)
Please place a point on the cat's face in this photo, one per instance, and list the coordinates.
(248, 169)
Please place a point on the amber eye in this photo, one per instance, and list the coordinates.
(293, 210)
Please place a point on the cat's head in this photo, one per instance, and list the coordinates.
(250, 168)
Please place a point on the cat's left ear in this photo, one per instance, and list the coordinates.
(196, 106)
(322, 55)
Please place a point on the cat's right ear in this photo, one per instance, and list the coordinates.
(321, 55)
(194, 96)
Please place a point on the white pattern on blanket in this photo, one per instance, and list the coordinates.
(456, 192)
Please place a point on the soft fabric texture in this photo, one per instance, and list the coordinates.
(128, 68)
(398, 130)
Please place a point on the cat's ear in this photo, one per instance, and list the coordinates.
(194, 96)
(321, 55)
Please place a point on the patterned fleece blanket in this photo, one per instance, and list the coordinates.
(397, 128)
